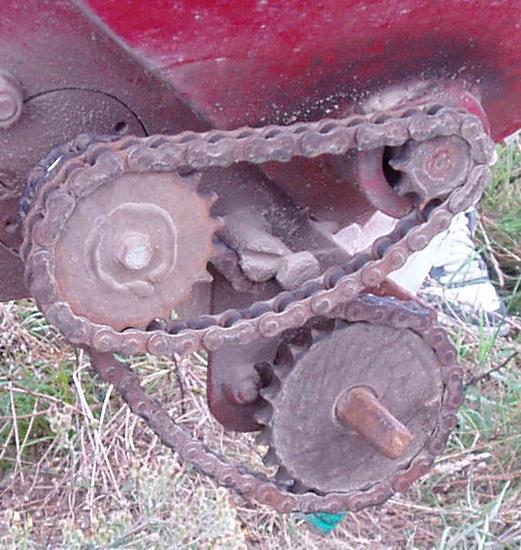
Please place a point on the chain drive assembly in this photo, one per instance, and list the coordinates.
(69, 177)
(101, 163)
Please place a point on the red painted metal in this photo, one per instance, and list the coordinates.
(256, 61)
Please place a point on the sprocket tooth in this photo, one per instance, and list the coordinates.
(399, 164)
(211, 197)
(269, 393)
(264, 437)
(405, 186)
(280, 371)
(193, 181)
(270, 458)
(202, 277)
(295, 350)
(283, 477)
(263, 414)
(316, 334)
(219, 223)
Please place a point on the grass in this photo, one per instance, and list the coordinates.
(78, 471)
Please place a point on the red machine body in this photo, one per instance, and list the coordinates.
(258, 61)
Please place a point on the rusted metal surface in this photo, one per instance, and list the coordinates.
(232, 368)
(432, 169)
(359, 408)
(423, 170)
(234, 383)
(316, 391)
(120, 229)
(392, 178)
(105, 164)
(400, 316)
(234, 379)
(376, 186)
(263, 256)
(71, 78)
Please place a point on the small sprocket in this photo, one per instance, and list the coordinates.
(130, 248)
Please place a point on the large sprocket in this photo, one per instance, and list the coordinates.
(351, 404)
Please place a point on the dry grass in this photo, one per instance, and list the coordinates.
(78, 471)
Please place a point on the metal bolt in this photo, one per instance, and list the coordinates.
(246, 391)
(11, 100)
(359, 409)
(135, 251)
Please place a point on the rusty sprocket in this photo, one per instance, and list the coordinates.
(102, 164)
(367, 386)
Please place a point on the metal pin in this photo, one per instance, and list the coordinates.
(360, 409)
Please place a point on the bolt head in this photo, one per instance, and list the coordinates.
(134, 251)
(246, 391)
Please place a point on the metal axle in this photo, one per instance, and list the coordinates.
(359, 408)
